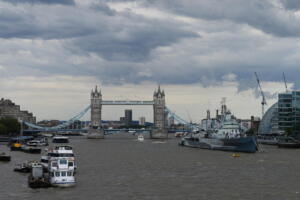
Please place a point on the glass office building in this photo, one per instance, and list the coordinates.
(285, 111)
(289, 111)
(283, 115)
(296, 109)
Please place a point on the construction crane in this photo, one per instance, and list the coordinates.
(191, 121)
(286, 89)
(263, 102)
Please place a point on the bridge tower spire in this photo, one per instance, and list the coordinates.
(96, 130)
(160, 115)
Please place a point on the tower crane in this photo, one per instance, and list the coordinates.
(263, 102)
(286, 89)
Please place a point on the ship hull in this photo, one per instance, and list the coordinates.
(244, 144)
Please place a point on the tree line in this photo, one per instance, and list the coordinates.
(9, 126)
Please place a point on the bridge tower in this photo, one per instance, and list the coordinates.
(95, 130)
(160, 115)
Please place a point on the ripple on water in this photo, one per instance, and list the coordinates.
(120, 167)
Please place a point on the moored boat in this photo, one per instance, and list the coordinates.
(37, 178)
(61, 173)
(4, 157)
(58, 152)
(229, 137)
(32, 146)
(268, 139)
(288, 142)
(242, 144)
(23, 167)
(17, 142)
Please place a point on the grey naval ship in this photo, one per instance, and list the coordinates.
(229, 137)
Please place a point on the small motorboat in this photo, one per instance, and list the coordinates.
(23, 167)
(16, 146)
(17, 142)
(32, 146)
(141, 138)
(4, 157)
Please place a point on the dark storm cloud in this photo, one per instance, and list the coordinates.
(291, 4)
(120, 47)
(63, 2)
(261, 14)
(97, 29)
(42, 24)
(132, 42)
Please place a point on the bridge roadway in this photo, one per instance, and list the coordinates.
(142, 103)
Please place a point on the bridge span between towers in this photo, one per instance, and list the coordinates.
(129, 103)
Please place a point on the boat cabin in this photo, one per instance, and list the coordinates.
(60, 139)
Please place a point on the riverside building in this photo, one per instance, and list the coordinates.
(283, 115)
(9, 109)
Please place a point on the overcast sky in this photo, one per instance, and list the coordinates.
(52, 52)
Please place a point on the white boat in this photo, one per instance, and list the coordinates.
(61, 173)
(58, 152)
(141, 138)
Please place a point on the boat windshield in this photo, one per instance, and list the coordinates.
(61, 155)
(63, 162)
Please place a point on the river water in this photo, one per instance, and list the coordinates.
(120, 168)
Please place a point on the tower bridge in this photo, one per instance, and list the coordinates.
(159, 113)
(95, 130)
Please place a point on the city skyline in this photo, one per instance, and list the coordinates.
(50, 61)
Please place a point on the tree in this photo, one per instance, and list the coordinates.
(12, 125)
(3, 129)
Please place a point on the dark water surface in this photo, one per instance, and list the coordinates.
(119, 167)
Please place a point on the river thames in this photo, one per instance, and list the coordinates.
(120, 167)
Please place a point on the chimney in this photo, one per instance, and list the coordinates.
(208, 114)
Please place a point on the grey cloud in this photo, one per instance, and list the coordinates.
(121, 47)
(133, 41)
(98, 29)
(63, 2)
(43, 24)
(261, 14)
(291, 4)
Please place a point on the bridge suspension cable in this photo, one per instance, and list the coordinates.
(60, 126)
(180, 120)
